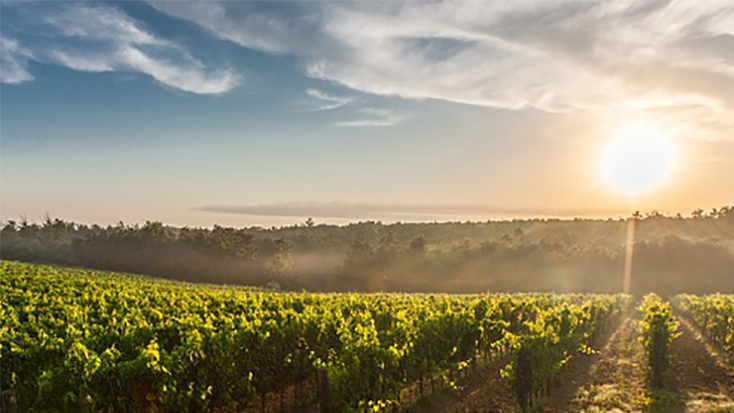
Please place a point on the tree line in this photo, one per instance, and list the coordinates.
(672, 254)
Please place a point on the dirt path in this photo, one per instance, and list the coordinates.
(615, 382)
(699, 382)
(610, 381)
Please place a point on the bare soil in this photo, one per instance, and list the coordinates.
(701, 382)
(612, 380)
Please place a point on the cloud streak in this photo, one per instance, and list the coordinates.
(352, 210)
(557, 56)
(327, 101)
(372, 117)
(102, 38)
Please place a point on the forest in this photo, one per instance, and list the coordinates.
(546, 255)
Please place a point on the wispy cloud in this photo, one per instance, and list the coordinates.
(327, 101)
(82, 61)
(365, 117)
(190, 78)
(14, 60)
(102, 38)
(100, 23)
(554, 56)
(373, 117)
(366, 210)
(275, 27)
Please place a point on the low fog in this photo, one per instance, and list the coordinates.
(675, 254)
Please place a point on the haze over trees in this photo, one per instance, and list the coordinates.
(672, 254)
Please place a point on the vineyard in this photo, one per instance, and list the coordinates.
(74, 340)
(77, 340)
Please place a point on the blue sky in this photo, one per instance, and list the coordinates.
(245, 113)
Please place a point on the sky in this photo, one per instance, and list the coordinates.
(242, 113)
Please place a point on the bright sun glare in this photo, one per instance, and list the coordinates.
(638, 159)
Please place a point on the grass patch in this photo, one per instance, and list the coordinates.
(710, 403)
(606, 398)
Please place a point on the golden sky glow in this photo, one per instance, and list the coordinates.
(239, 113)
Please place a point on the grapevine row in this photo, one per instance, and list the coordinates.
(86, 341)
(713, 315)
(658, 330)
(552, 338)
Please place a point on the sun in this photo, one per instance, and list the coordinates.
(638, 159)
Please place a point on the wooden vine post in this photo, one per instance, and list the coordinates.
(322, 383)
(8, 402)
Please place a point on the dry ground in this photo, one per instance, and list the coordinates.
(699, 381)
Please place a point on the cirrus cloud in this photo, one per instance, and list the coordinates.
(327, 101)
(102, 38)
(13, 60)
(556, 56)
